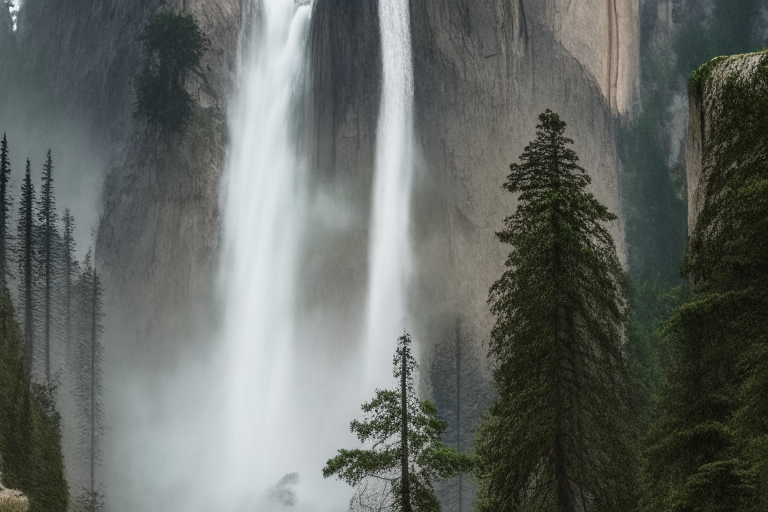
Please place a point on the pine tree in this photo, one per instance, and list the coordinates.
(26, 258)
(90, 355)
(48, 252)
(5, 208)
(407, 455)
(560, 436)
(71, 270)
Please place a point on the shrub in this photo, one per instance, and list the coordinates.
(173, 45)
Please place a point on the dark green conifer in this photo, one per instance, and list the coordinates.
(49, 243)
(5, 208)
(89, 358)
(26, 258)
(561, 436)
(71, 270)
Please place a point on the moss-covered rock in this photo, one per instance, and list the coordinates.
(727, 123)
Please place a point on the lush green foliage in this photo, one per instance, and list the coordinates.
(5, 207)
(173, 46)
(561, 436)
(30, 430)
(395, 432)
(707, 451)
(650, 354)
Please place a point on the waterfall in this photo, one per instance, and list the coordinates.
(264, 202)
(288, 405)
(390, 250)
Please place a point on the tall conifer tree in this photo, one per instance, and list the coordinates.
(70, 270)
(5, 208)
(90, 354)
(26, 260)
(407, 454)
(48, 249)
(560, 436)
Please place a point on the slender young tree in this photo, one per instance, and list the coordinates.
(26, 257)
(560, 436)
(407, 454)
(71, 270)
(90, 355)
(5, 208)
(48, 251)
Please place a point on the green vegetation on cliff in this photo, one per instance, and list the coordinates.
(708, 450)
(173, 46)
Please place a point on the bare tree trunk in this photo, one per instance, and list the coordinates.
(404, 434)
(94, 336)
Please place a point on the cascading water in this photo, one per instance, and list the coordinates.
(390, 249)
(288, 402)
(265, 196)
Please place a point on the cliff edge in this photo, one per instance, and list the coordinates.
(723, 94)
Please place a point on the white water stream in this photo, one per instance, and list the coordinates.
(264, 197)
(390, 258)
(287, 411)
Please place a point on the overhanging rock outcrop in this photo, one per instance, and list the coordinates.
(719, 91)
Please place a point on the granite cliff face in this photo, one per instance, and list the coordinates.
(484, 70)
(159, 233)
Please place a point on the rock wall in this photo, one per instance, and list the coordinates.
(157, 234)
(157, 239)
(707, 116)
